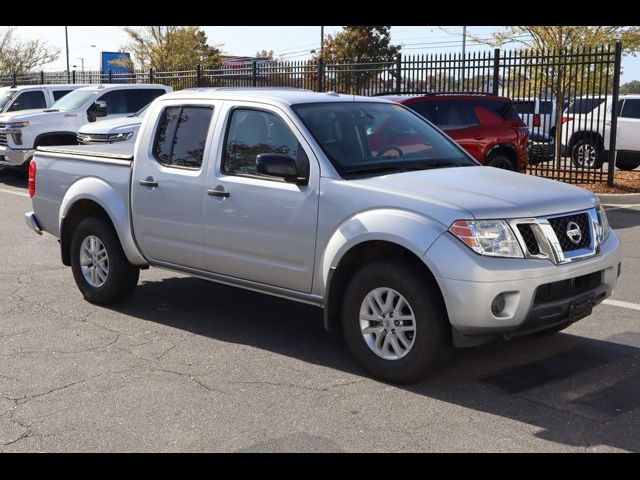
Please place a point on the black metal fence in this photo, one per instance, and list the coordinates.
(563, 96)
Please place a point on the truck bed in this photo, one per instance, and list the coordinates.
(114, 151)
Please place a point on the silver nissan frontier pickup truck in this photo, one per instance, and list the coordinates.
(356, 205)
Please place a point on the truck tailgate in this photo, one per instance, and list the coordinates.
(99, 167)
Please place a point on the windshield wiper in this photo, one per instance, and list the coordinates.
(403, 167)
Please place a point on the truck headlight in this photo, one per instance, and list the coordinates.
(119, 137)
(17, 124)
(604, 223)
(488, 237)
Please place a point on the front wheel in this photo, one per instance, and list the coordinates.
(100, 268)
(501, 161)
(394, 322)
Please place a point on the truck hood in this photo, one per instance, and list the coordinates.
(112, 125)
(35, 115)
(485, 192)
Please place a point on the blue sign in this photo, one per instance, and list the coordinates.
(111, 56)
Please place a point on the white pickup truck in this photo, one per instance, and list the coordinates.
(356, 205)
(30, 97)
(22, 132)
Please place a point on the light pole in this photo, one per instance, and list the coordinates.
(66, 42)
(322, 41)
(464, 45)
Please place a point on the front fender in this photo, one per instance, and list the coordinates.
(100, 192)
(410, 230)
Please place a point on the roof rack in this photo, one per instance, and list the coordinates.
(433, 93)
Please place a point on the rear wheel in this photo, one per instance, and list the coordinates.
(501, 161)
(394, 323)
(100, 268)
(628, 165)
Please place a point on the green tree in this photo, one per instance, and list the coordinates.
(170, 47)
(630, 87)
(356, 46)
(561, 77)
(265, 54)
(20, 56)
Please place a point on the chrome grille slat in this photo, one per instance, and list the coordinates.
(546, 237)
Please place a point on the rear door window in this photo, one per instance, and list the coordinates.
(584, 105)
(29, 100)
(524, 106)
(58, 94)
(546, 107)
(448, 114)
(140, 97)
(182, 136)
(502, 108)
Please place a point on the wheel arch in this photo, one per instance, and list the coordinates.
(50, 136)
(93, 196)
(367, 237)
(507, 149)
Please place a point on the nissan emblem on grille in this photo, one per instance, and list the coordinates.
(574, 233)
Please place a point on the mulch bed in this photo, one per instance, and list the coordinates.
(623, 182)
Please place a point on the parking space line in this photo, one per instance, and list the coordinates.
(14, 192)
(618, 303)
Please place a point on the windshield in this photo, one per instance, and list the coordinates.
(5, 98)
(363, 137)
(584, 105)
(73, 100)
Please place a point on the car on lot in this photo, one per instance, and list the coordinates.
(409, 246)
(541, 147)
(538, 113)
(30, 97)
(485, 125)
(22, 132)
(587, 131)
(115, 130)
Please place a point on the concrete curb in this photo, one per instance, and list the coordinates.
(619, 198)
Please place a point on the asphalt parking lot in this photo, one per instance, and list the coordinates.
(187, 365)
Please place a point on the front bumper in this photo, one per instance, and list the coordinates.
(10, 157)
(470, 282)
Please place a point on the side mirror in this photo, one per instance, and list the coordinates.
(277, 165)
(14, 107)
(101, 108)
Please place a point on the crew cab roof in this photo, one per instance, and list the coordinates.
(285, 96)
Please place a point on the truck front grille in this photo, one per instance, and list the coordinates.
(561, 239)
(3, 136)
(560, 226)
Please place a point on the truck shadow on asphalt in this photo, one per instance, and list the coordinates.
(570, 388)
(13, 178)
(622, 217)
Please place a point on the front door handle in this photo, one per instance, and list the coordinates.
(218, 193)
(479, 138)
(148, 182)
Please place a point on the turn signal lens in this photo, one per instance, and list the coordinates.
(32, 178)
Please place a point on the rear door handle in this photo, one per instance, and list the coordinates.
(218, 193)
(479, 138)
(148, 182)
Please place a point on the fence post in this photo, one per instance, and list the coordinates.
(496, 70)
(254, 73)
(614, 114)
(320, 79)
(73, 76)
(15, 80)
(198, 76)
(41, 77)
(150, 74)
(110, 76)
(398, 72)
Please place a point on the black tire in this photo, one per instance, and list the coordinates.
(501, 161)
(122, 276)
(627, 166)
(432, 341)
(590, 145)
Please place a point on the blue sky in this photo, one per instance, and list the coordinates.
(288, 42)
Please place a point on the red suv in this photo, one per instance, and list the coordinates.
(486, 126)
